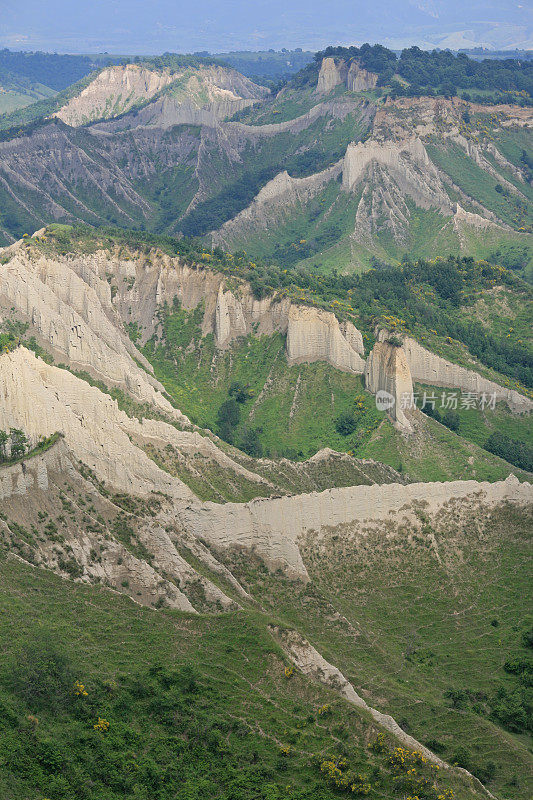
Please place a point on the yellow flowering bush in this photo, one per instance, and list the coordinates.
(79, 689)
(289, 672)
(102, 725)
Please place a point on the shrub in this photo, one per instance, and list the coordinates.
(41, 674)
(346, 423)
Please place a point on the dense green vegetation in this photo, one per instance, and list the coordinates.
(101, 699)
(434, 72)
(511, 450)
(436, 300)
(311, 150)
(432, 624)
(53, 70)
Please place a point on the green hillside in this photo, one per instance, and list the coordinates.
(189, 706)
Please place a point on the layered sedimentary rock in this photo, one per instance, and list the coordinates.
(331, 74)
(335, 72)
(430, 368)
(229, 318)
(113, 91)
(406, 161)
(317, 335)
(272, 528)
(67, 303)
(42, 399)
(359, 79)
(203, 95)
(387, 371)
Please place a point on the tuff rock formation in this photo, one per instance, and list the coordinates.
(427, 367)
(114, 90)
(218, 91)
(317, 335)
(406, 161)
(272, 528)
(43, 399)
(67, 303)
(387, 375)
(335, 72)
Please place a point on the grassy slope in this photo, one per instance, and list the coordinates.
(416, 620)
(197, 706)
(294, 408)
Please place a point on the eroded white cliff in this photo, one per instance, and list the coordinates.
(42, 399)
(272, 528)
(67, 303)
(316, 335)
(387, 375)
(427, 367)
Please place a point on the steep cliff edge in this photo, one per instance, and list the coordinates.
(335, 72)
(131, 553)
(115, 90)
(273, 528)
(387, 375)
(317, 335)
(427, 367)
(67, 303)
(42, 399)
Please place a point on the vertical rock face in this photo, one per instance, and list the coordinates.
(316, 335)
(387, 371)
(359, 79)
(229, 318)
(355, 78)
(68, 304)
(274, 527)
(330, 75)
(430, 368)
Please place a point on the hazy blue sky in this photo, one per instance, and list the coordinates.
(151, 26)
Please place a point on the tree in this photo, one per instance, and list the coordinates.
(19, 443)
(345, 423)
(228, 418)
(250, 442)
(241, 392)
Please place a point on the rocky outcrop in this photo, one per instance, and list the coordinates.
(359, 79)
(42, 399)
(37, 489)
(331, 74)
(217, 91)
(406, 161)
(113, 91)
(427, 367)
(317, 335)
(272, 528)
(335, 72)
(67, 303)
(229, 318)
(24, 477)
(203, 95)
(387, 375)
